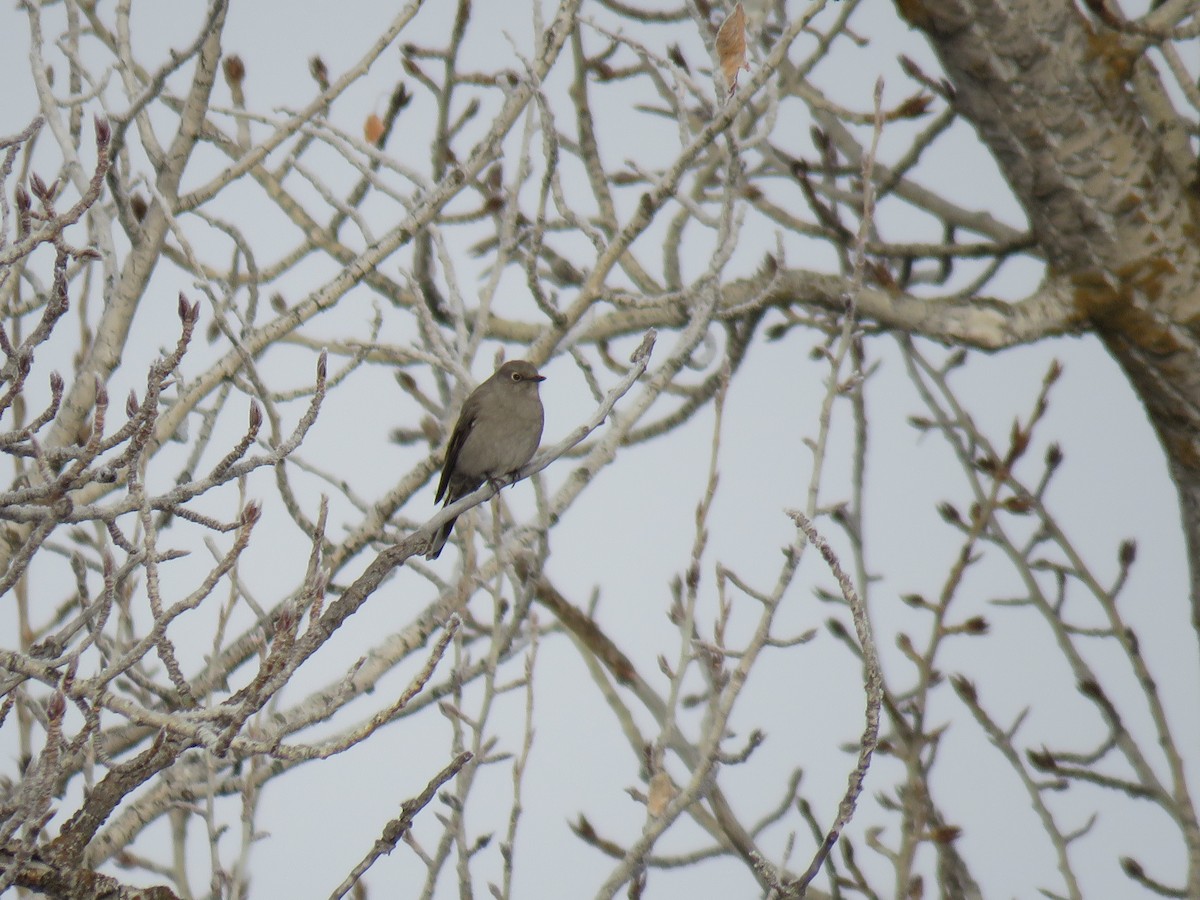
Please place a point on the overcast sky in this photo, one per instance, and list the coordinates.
(632, 530)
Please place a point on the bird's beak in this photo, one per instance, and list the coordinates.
(539, 377)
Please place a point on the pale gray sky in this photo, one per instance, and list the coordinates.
(631, 532)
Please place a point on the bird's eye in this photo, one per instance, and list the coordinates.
(516, 376)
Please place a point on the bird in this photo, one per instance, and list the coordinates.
(497, 432)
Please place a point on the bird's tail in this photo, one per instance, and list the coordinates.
(439, 540)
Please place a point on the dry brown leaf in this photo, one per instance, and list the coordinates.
(881, 275)
(373, 129)
(914, 107)
(731, 47)
(946, 834)
(661, 792)
(235, 69)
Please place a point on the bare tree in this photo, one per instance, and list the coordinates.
(219, 588)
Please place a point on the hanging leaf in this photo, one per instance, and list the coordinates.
(913, 108)
(234, 68)
(373, 129)
(731, 47)
(661, 792)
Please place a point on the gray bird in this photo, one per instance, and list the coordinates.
(498, 430)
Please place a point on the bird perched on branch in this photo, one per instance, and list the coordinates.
(498, 431)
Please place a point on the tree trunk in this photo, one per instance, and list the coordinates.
(1084, 132)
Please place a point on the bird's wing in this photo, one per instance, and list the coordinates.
(466, 422)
